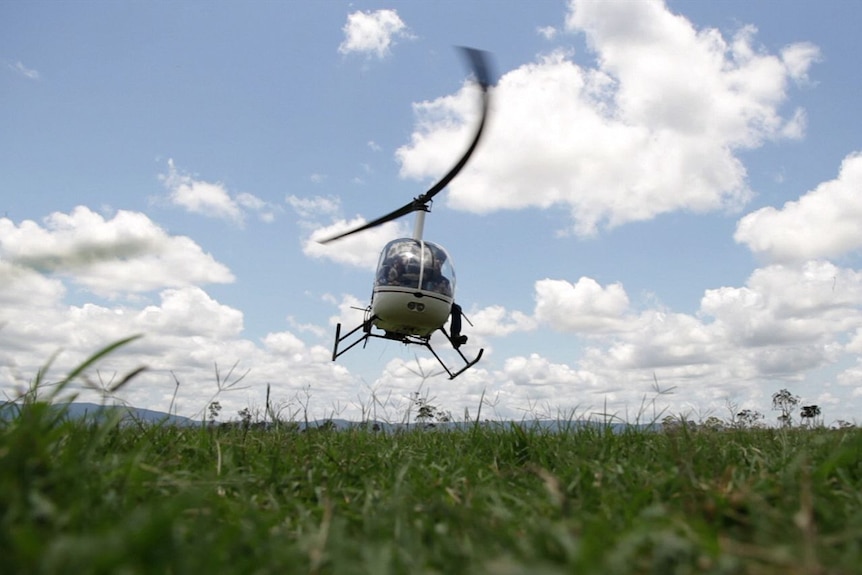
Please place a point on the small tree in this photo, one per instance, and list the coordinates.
(245, 417)
(426, 413)
(810, 413)
(424, 410)
(748, 418)
(785, 402)
(713, 423)
(214, 409)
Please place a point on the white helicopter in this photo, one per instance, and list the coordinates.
(414, 288)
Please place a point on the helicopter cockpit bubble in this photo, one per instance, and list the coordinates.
(416, 264)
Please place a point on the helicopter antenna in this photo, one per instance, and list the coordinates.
(479, 62)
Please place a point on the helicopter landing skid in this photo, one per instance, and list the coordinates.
(366, 325)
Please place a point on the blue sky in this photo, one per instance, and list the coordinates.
(667, 193)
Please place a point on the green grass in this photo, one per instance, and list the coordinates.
(98, 497)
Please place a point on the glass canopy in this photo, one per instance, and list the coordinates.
(416, 264)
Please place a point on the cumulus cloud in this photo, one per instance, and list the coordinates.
(23, 285)
(798, 58)
(372, 33)
(785, 322)
(584, 306)
(788, 305)
(189, 338)
(536, 370)
(823, 223)
(627, 139)
(189, 311)
(213, 199)
(496, 320)
(284, 343)
(187, 335)
(124, 254)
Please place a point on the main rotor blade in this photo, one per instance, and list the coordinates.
(400, 212)
(480, 66)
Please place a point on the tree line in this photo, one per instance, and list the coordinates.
(791, 412)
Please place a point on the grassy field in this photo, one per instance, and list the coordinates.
(98, 497)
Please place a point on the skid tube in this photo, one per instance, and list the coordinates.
(365, 326)
(467, 363)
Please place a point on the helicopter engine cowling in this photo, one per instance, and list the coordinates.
(413, 289)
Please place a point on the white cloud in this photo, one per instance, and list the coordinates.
(125, 254)
(822, 223)
(189, 312)
(547, 32)
(852, 377)
(350, 311)
(664, 340)
(23, 285)
(626, 140)
(312, 207)
(785, 323)
(213, 199)
(314, 329)
(794, 128)
(584, 306)
(497, 321)
(284, 343)
(23, 70)
(536, 370)
(788, 305)
(187, 335)
(372, 33)
(250, 202)
(798, 58)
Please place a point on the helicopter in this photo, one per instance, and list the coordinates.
(414, 286)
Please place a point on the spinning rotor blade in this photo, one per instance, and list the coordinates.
(480, 65)
(402, 211)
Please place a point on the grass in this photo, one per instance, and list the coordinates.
(100, 497)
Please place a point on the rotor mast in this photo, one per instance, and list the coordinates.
(419, 225)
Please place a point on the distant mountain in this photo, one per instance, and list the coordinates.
(77, 410)
(82, 410)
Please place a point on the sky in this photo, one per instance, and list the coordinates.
(662, 216)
